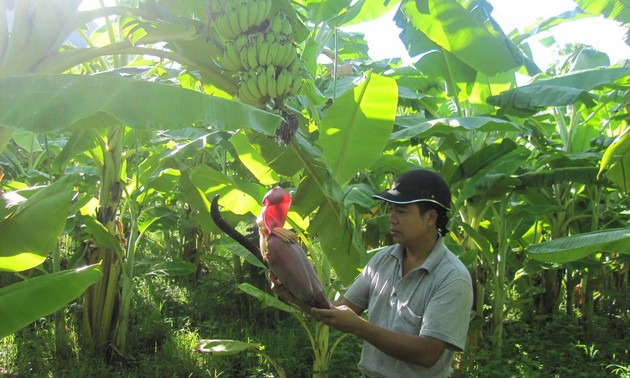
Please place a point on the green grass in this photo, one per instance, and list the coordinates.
(170, 316)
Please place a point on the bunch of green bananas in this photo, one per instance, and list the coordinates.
(260, 50)
(270, 82)
(235, 17)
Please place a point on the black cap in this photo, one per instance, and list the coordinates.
(418, 185)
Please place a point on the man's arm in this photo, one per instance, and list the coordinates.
(420, 350)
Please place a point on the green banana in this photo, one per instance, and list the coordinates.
(296, 85)
(241, 41)
(261, 76)
(252, 12)
(264, 6)
(290, 57)
(274, 49)
(223, 27)
(281, 83)
(243, 57)
(252, 85)
(228, 63)
(243, 16)
(262, 49)
(268, 4)
(233, 54)
(271, 81)
(276, 23)
(232, 13)
(283, 52)
(296, 66)
(287, 28)
(252, 60)
(245, 96)
(258, 42)
(290, 78)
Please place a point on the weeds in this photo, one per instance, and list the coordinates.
(171, 317)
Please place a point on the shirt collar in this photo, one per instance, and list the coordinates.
(432, 261)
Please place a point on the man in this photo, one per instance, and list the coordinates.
(418, 294)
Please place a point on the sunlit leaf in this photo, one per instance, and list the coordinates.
(266, 299)
(226, 347)
(29, 234)
(251, 158)
(617, 156)
(355, 129)
(456, 30)
(101, 235)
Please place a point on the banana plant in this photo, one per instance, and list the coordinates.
(20, 212)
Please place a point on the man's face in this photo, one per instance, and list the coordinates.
(408, 226)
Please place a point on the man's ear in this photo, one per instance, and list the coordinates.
(433, 216)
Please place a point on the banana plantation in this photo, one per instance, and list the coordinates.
(122, 123)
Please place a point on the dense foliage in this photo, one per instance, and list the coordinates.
(119, 125)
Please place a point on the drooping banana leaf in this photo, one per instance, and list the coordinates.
(614, 9)
(28, 234)
(576, 247)
(80, 102)
(25, 302)
(460, 32)
(560, 90)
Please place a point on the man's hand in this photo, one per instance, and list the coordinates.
(340, 317)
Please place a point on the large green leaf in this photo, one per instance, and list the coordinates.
(23, 303)
(101, 235)
(412, 126)
(76, 101)
(577, 247)
(615, 9)
(226, 347)
(320, 190)
(458, 31)
(617, 157)
(486, 156)
(266, 299)
(29, 234)
(251, 158)
(560, 90)
(355, 128)
(368, 10)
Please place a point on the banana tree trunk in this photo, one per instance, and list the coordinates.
(499, 275)
(103, 298)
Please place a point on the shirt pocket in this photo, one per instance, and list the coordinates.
(408, 322)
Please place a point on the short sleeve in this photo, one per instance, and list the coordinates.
(359, 292)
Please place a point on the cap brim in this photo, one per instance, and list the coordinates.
(400, 199)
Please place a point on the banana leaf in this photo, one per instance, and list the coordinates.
(29, 234)
(80, 102)
(458, 31)
(25, 302)
(559, 91)
(572, 248)
(355, 129)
